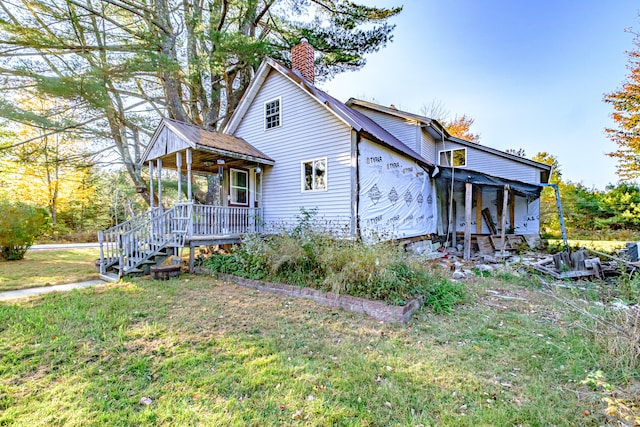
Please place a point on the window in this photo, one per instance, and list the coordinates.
(314, 175)
(456, 158)
(272, 114)
(239, 187)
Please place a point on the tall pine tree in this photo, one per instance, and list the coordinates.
(126, 63)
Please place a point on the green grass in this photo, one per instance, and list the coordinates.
(48, 267)
(598, 245)
(212, 353)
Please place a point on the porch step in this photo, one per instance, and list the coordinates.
(109, 277)
(132, 271)
(137, 258)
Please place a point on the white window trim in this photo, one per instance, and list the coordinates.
(466, 159)
(231, 186)
(302, 176)
(264, 112)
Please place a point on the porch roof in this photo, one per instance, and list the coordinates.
(484, 180)
(172, 136)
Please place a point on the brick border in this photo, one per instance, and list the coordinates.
(376, 309)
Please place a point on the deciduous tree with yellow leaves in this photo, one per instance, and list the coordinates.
(626, 114)
(48, 169)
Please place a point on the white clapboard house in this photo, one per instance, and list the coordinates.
(366, 171)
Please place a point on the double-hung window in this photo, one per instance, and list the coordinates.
(239, 187)
(456, 158)
(272, 114)
(314, 175)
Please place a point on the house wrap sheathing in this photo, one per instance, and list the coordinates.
(397, 198)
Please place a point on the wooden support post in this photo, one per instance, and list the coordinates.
(160, 183)
(179, 169)
(151, 184)
(102, 260)
(478, 210)
(189, 160)
(191, 258)
(512, 210)
(503, 219)
(467, 219)
(454, 226)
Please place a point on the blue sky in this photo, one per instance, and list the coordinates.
(531, 73)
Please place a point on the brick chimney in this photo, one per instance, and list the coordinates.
(302, 60)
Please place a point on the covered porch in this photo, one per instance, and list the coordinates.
(185, 222)
(497, 213)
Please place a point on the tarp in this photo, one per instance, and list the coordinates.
(397, 197)
(477, 178)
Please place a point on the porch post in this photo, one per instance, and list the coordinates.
(467, 219)
(478, 210)
(179, 168)
(512, 209)
(503, 220)
(160, 183)
(189, 159)
(151, 184)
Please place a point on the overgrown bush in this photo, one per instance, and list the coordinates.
(20, 224)
(627, 287)
(307, 258)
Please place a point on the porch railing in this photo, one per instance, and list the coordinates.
(168, 228)
(223, 220)
(131, 243)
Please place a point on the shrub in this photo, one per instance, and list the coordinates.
(308, 258)
(627, 287)
(445, 295)
(19, 227)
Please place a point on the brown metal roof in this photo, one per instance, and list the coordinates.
(217, 141)
(434, 124)
(358, 121)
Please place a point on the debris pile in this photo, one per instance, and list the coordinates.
(582, 264)
(570, 265)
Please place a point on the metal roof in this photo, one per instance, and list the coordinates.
(431, 124)
(358, 121)
(482, 179)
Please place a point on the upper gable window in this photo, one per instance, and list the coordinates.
(272, 114)
(456, 158)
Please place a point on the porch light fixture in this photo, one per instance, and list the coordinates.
(220, 161)
(258, 169)
(208, 164)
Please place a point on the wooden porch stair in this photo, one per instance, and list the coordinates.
(132, 247)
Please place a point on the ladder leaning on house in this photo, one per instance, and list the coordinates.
(133, 244)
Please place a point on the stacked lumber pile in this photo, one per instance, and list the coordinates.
(570, 265)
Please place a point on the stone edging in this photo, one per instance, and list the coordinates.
(376, 309)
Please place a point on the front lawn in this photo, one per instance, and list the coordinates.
(48, 267)
(196, 351)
